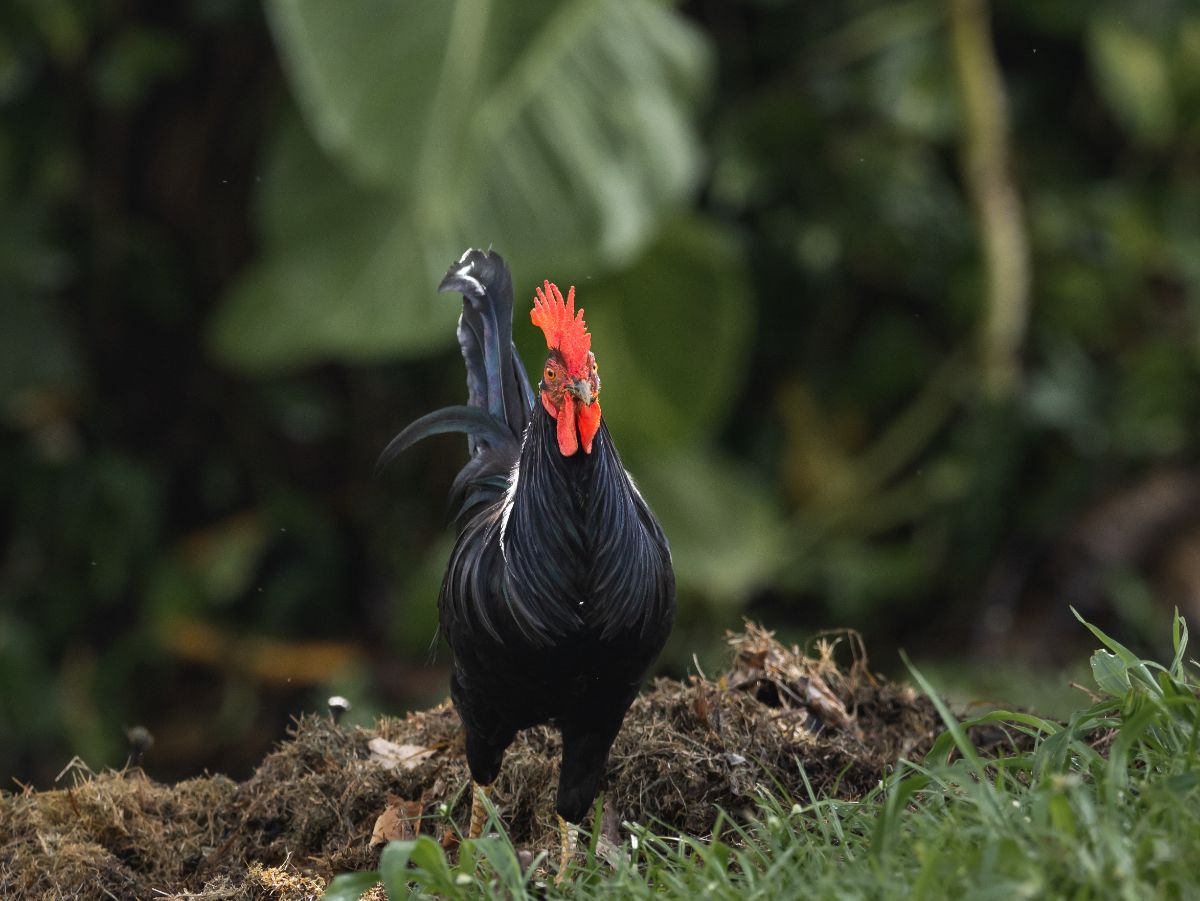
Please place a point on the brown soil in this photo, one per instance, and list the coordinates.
(310, 809)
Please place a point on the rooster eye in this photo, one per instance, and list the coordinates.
(549, 374)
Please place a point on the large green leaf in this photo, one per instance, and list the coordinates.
(350, 886)
(726, 532)
(560, 132)
(671, 335)
(342, 274)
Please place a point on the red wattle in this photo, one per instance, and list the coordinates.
(589, 424)
(568, 442)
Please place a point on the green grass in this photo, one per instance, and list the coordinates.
(1105, 805)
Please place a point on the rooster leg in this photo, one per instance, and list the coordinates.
(585, 751)
(478, 809)
(568, 834)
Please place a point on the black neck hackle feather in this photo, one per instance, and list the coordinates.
(578, 529)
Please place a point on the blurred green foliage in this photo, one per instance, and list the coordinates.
(558, 131)
(221, 226)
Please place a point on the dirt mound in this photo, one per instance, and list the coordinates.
(311, 808)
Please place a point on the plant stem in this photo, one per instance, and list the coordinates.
(987, 165)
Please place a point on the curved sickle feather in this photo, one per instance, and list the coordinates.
(471, 420)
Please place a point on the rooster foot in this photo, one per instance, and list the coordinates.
(568, 834)
(478, 808)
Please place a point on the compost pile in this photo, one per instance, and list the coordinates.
(325, 801)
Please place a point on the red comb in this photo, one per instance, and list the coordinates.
(565, 329)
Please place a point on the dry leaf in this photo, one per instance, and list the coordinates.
(398, 822)
(390, 755)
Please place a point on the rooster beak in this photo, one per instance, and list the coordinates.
(582, 389)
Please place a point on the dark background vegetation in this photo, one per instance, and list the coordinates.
(897, 307)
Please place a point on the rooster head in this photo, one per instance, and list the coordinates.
(570, 386)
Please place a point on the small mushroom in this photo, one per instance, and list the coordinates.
(140, 741)
(337, 707)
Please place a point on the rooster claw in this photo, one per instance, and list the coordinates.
(569, 836)
(479, 808)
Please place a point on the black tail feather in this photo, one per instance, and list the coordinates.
(496, 380)
(474, 421)
(499, 397)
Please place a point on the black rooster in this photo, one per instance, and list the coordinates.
(559, 594)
